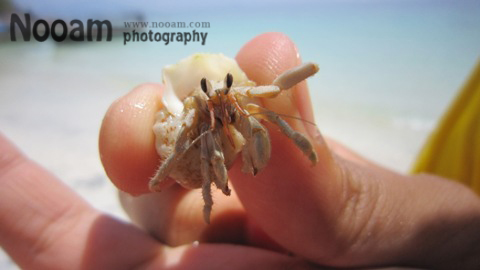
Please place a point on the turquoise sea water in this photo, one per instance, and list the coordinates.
(388, 71)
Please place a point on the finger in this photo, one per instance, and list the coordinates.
(127, 142)
(340, 212)
(175, 216)
(222, 256)
(276, 194)
(45, 225)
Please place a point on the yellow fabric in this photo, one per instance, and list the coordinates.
(453, 150)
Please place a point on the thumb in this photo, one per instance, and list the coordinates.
(345, 212)
(284, 195)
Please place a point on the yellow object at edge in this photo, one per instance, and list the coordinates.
(453, 150)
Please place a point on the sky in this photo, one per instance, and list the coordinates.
(79, 9)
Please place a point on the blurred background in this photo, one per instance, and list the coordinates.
(388, 70)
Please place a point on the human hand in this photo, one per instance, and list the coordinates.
(345, 211)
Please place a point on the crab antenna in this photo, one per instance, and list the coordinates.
(194, 141)
(286, 116)
(254, 109)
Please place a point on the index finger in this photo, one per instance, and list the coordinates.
(127, 143)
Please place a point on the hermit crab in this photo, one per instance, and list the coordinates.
(210, 115)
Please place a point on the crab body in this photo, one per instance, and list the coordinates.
(207, 121)
(195, 122)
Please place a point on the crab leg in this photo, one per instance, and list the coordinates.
(207, 183)
(291, 77)
(284, 81)
(300, 141)
(181, 145)
(212, 160)
(218, 164)
(256, 151)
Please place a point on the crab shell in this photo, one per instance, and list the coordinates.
(181, 80)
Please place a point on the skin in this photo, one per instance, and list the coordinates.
(344, 212)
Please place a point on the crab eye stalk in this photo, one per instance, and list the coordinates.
(228, 82)
(203, 84)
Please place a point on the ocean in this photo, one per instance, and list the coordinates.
(388, 71)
